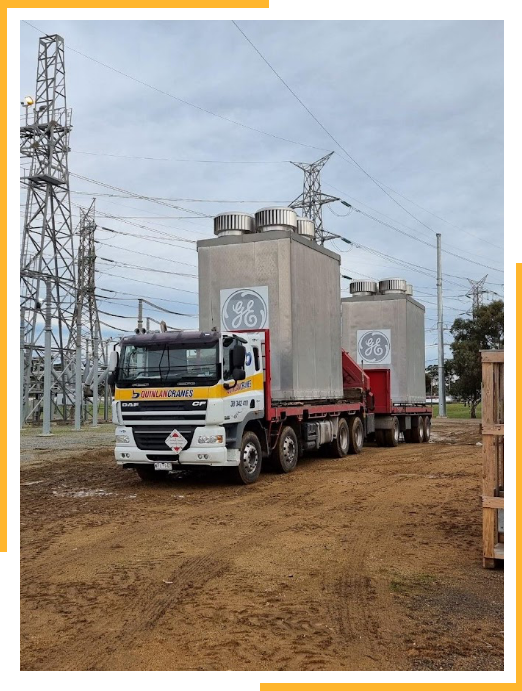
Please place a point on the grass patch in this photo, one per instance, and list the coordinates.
(458, 411)
(408, 584)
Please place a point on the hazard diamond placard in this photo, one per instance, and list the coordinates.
(176, 441)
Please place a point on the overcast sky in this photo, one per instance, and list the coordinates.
(418, 104)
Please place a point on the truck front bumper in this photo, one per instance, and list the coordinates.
(196, 454)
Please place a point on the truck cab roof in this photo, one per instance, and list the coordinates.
(195, 338)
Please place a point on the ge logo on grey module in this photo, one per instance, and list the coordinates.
(374, 347)
(244, 309)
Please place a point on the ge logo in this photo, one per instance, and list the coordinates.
(244, 309)
(248, 359)
(374, 347)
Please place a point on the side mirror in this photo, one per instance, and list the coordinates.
(238, 374)
(113, 361)
(238, 356)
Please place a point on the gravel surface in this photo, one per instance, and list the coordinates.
(36, 448)
(366, 562)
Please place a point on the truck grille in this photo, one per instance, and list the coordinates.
(191, 412)
(153, 438)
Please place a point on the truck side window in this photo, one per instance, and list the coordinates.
(256, 358)
(228, 345)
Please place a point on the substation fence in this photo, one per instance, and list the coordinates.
(493, 457)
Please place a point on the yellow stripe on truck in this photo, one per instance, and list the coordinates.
(254, 383)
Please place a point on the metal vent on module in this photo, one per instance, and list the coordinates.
(233, 223)
(276, 218)
(409, 289)
(306, 228)
(392, 285)
(363, 287)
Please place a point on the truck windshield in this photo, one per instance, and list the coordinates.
(167, 365)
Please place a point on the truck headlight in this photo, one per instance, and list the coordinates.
(212, 439)
(122, 439)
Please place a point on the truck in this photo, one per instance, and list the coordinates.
(266, 377)
(205, 399)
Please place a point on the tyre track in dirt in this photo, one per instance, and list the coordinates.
(319, 569)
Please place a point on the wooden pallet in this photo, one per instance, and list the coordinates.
(492, 455)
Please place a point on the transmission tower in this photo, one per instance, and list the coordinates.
(476, 292)
(311, 200)
(87, 306)
(47, 251)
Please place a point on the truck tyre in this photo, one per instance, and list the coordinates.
(285, 455)
(417, 433)
(340, 446)
(356, 434)
(427, 429)
(250, 458)
(148, 474)
(391, 436)
(379, 437)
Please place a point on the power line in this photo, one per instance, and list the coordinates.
(144, 237)
(334, 139)
(349, 196)
(177, 98)
(137, 280)
(137, 267)
(140, 295)
(144, 254)
(175, 160)
(477, 237)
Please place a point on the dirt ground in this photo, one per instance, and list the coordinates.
(372, 562)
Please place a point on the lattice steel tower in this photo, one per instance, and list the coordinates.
(476, 292)
(312, 200)
(47, 251)
(87, 307)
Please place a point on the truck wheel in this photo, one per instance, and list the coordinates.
(285, 455)
(417, 433)
(356, 431)
(391, 436)
(148, 474)
(340, 446)
(407, 436)
(249, 466)
(379, 437)
(427, 429)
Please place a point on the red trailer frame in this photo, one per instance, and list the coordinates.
(374, 384)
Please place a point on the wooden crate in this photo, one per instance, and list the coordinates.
(493, 455)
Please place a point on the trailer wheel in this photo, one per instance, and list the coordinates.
(148, 474)
(417, 433)
(356, 431)
(391, 436)
(427, 429)
(249, 466)
(285, 455)
(340, 446)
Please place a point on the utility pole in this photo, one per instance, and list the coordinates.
(440, 327)
(106, 387)
(312, 200)
(78, 386)
(140, 316)
(48, 252)
(95, 382)
(46, 429)
(22, 367)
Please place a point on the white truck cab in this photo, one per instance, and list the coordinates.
(185, 398)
